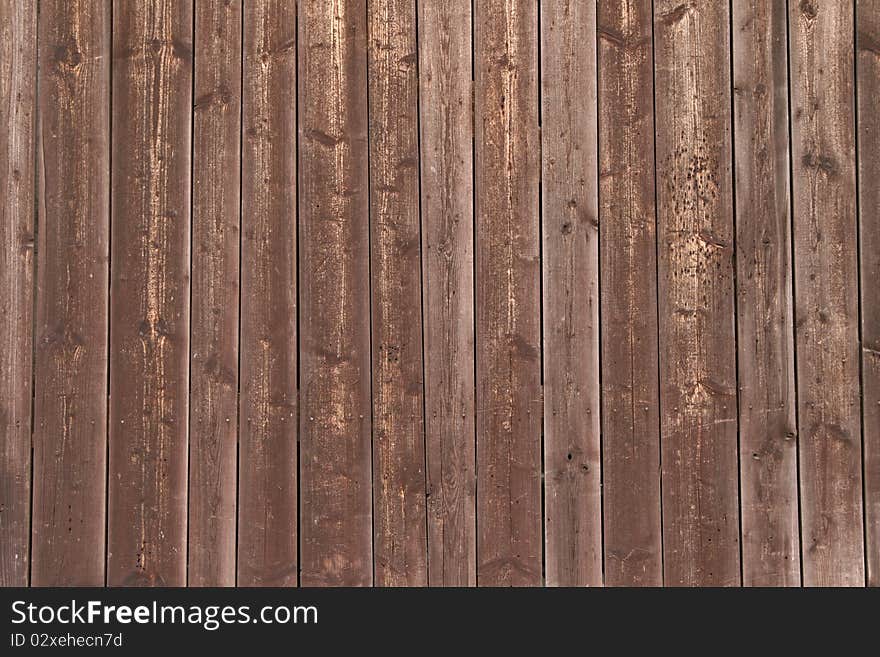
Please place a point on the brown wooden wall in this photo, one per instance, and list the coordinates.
(440, 292)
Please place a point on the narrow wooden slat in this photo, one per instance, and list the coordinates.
(509, 404)
(868, 70)
(826, 291)
(70, 404)
(696, 294)
(447, 132)
(400, 531)
(267, 517)
(768, 428)
(335, 418)
(628, 228)
(18, 59)
(149, 295)
(215, 291)
(570, 262)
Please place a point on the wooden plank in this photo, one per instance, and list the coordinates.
(767, 407)
(447, 132)
(630, 359)
(335, 419)
(18, 67)
(70, 404)
(570, 261)
(696, 294)
(868, 84)
(400, 529)
(267, 517)
(215, 293)
(149, 293)
(509, 404)
(826, 292)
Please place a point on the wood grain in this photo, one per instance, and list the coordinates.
(868, 84)
(267, 520)
(767, 407)
(399, 525)
(508, 349)
(72, 297)
(570, 265)
(335, 417)
(149, 294)
(18, 67)
(447, 197)
(628, 241)
(696, 294)
(826, 292)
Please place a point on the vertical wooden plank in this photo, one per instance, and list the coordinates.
(215, 294)
(868, 70)
(447, 133)
(570, 262)
(628, 229)
(696, 294)
(149, 293)
(267, 520)
(509, 404)
(826, 291)
(335, 419)
(70, 404)
(18, 57)
(768, 428)
(400, 532)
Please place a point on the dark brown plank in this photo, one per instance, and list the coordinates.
(630, 392)
(70, 404)
(767, 408)
(215, 290)
(18, 67)
(400, 531)
(447, 132)
(570, 260)
(826, 292)
(696, 294)
(868, 81)
(267, 516)
(335, 425)
(149, 294)
(509, 404)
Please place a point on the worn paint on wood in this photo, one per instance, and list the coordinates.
(70, 402)
(826, 292)
(696, 294)
(570, 262)
(768, 428)
(628, 240)
(149, 293)
(508, 272)
(335, 397)
(267, 537)
(18, 68)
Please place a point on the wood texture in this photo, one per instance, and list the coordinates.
(570, 265)
(335, 397)
(767, 407)
(447, 215)
(267, 520)
(696, 294)
(628, 240)
(399, 525)
(826, 292)
(508, 334)
(18, 67)
(868, 84)
(72, 297)
(149, 294)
